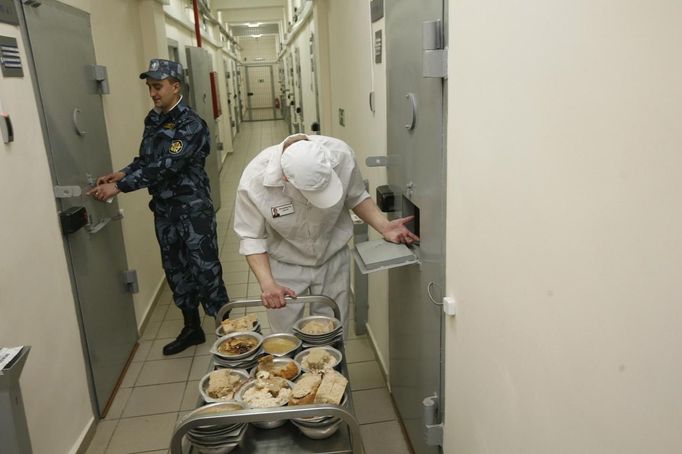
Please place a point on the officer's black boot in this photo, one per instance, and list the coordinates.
(191, 334)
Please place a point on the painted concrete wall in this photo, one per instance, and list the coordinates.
(564, 222)
(353, 74)
(125, 109)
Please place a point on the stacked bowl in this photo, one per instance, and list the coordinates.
(318, 330)
(255, 401)
(238, 350)
(319, 427)
(216, 439)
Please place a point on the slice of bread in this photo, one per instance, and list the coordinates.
(331, 388)
(305, 389)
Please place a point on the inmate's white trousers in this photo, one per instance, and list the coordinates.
(332, 279)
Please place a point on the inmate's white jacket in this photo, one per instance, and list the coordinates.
(309, 236)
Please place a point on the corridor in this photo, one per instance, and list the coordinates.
(157, 391)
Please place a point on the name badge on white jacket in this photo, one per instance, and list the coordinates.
(282, 210)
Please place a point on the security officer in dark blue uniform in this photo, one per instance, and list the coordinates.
(173, 152)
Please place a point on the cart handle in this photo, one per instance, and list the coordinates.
(307, 299)
(192, 421)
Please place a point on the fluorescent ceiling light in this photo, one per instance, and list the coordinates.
(256, 36)
(257, 24)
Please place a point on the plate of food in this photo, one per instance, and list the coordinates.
(318, 359)
(222, 384)
(237, 345)
(283, 367)
(247, 323)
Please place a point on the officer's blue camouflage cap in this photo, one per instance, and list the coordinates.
(160, 69)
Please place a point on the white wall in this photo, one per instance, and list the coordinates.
(36, 303)
(254, 50)
(564, 222)
(350, 57)
(116, 29)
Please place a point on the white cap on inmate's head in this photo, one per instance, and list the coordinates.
(307, 166)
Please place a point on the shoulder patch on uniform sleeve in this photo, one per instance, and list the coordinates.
(175, 147)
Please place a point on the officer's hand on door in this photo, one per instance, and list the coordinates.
(103, 192)
(112, 177)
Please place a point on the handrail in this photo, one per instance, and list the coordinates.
(196, 419)
(257, 302)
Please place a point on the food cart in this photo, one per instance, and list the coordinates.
(286, 439)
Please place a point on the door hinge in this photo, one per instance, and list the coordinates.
(433, 433)
(435, 54)
(131, 281)
(99, 75)
(65, 192)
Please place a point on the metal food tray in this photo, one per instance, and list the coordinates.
(287, 439)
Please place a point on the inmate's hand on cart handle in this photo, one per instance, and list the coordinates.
(272, 295)
(396, 232)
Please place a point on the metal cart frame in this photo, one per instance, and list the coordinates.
(286, 439)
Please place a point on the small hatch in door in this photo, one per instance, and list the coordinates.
(380, 255)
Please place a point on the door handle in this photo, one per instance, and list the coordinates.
(102, 223)
(76, 120)
(412, 119)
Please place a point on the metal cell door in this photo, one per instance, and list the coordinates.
(199, 66)
(260, 87)
(228, 86)
(298, 80)
(416, 164)
(75, 134)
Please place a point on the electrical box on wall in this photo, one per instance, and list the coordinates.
(215, 95)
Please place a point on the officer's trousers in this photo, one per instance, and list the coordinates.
(190, 258)
(331, 279)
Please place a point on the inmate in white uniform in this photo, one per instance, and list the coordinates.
(307, 246)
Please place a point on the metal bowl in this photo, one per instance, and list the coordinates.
(251, 334)
(203, 384)
(263, 424)
(318, 433)
(302, 322)
(281, 336)
(332, 351)
(280, 362)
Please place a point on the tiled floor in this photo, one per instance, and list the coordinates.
(158, 390)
